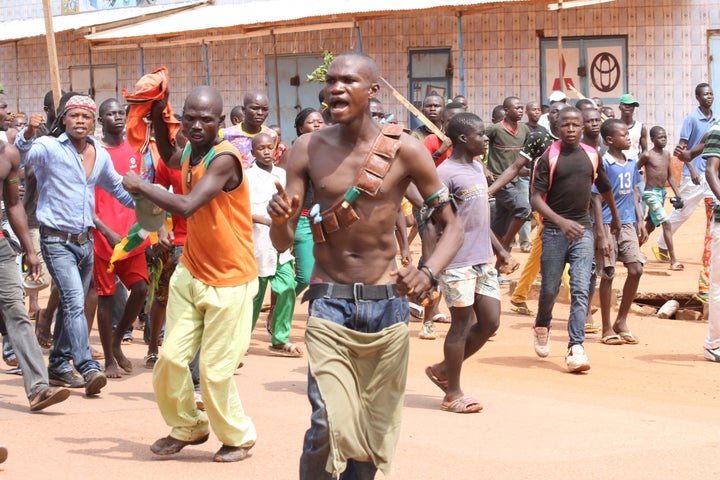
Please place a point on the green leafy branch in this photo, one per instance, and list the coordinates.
(318, 75)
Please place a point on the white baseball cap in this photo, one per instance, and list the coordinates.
(557, 96)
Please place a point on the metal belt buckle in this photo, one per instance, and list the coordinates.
(358, 291)
(82, 238)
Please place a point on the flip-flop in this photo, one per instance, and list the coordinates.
(677, 267)
(441, 383)
(416, 311)
(628, 337)
(591, 328)
(509, 267)
(464, 404)
(440, 318)
(660, 256)
(48, 396)
(286, 350)
(521, 308)
(614, 339)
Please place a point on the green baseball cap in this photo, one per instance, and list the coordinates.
(629, 99)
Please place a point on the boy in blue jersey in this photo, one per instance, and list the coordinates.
(624, 246)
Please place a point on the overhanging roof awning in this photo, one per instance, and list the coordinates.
(35, 27)
(268, 13)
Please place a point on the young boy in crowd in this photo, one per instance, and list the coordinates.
(624, 246)
(469, 283)
(607, 112)
(658, 172)
(561, 193)
(278, 270)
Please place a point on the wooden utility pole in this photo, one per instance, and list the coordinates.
(52, 53)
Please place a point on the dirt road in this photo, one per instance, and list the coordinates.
(647, 411)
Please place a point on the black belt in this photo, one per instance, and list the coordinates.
(357, 291)
(80, 238)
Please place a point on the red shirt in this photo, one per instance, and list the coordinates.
(112, 213)
(168, 177)
(433, 143)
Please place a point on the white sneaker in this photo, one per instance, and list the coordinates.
(576, 359)
(427, 332)
(541, 341)
(712, 355)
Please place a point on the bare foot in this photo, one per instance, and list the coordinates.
(620, 326)
(111, 370)
(123, 361)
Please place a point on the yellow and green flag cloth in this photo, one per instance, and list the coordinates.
(134, 239)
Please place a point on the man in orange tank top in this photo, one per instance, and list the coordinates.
(210, 300)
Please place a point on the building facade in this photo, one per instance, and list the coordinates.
(658, 50)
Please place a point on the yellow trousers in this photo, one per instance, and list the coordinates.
(532, 268)
(216, 320)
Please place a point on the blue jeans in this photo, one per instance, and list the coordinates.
(70, 266)
(368, 316)
(558, 250)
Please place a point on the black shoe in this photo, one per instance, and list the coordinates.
(66, 379)
(170, 445)
(95, 380)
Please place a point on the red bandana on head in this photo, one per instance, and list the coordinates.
(80, 101)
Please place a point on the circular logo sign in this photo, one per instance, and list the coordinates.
(605, 72)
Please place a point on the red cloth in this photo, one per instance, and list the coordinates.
(281, 148)
(149, 88)
(168, 177)
(433, 143)
(112, 213)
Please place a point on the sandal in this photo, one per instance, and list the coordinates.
(44, 337)
(661, 255)
(677, 267)
(416, 311)
(441, 383)
(509, 267)
(591, 328)
(521, 308)
(286, 350)
(611, 340)
(440, 318)
(150, 360)
(628, 337)
(48, 396)
(464, 404)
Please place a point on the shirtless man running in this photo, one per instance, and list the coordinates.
(357, 291)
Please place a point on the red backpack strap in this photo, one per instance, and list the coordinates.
(553, 152)
(592, 154)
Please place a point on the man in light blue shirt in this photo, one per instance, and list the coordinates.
(693, 186)
(67, 169)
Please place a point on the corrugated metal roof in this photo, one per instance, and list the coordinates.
(34, 27)
(276, 12)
